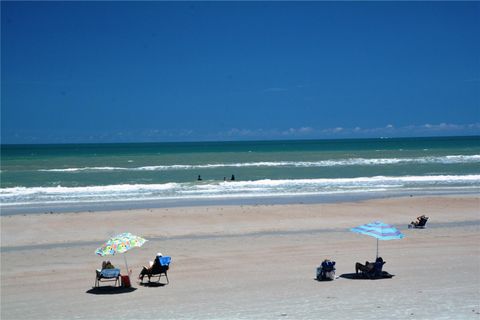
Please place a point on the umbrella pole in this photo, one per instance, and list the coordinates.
(126, 265)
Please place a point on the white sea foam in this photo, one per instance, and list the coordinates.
(450, 159)
(84, 169)
(229, 189)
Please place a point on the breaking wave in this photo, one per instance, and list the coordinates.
(230, 189)
(451, 159)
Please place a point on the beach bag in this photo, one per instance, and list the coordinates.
(125, 281)
(326, 271)
(330, 275)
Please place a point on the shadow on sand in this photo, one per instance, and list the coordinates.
(323, 280)
(110, 290)
(362, 276)
(152, 284)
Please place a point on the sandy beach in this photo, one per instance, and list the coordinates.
(248, 262)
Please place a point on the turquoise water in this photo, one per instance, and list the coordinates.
(87, 173)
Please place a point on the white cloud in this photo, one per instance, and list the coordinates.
(444, 126)
(305, 130)
(333, 130)
(389, 130)
(298, 131)
(302, 132)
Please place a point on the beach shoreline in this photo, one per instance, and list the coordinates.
(76, 207)
(248, 261)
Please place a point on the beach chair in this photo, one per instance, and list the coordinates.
(106, 275)
(326, 271)
(377, 268)
(420, 223)
(158, 269)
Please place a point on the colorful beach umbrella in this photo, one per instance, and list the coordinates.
(379, 230)
(119, 244)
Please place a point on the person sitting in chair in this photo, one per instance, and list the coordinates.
(107, 265)
(155, 264)
(108, 272)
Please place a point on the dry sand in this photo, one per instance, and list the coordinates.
(248, 262)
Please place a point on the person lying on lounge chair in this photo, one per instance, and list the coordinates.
(421, 220)
(153, 265)
(370, 267)
(366, 268)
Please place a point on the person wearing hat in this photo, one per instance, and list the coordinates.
(152, 265)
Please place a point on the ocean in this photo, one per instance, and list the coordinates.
(49, 177)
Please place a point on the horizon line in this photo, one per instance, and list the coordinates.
(240, 140)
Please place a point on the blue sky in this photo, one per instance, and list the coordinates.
(188, 71)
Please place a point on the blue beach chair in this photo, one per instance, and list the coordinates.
(159, 268)
(106, 275)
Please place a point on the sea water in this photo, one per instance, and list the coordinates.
(43, 176)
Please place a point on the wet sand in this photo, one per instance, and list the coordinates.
(248, 262)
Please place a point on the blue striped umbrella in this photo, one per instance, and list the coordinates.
(379, 230)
